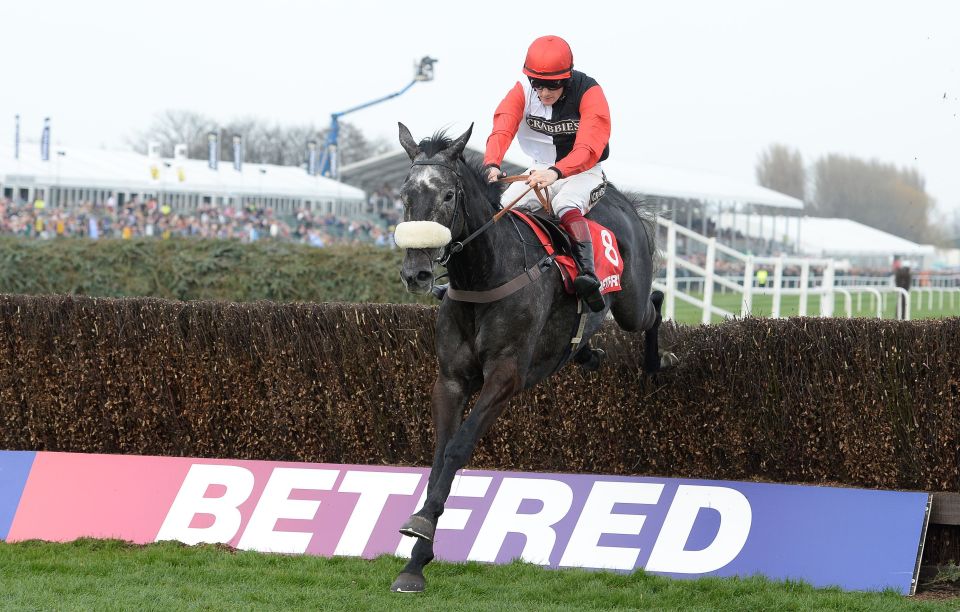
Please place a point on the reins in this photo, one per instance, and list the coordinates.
(541, 193)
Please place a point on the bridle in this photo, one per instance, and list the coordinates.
(447, 251)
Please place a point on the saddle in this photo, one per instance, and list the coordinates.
(558, 238)
(555, 241)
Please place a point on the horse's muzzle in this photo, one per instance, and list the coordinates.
(421, 239)
(417, 270)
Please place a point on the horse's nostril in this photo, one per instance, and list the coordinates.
(423, 276)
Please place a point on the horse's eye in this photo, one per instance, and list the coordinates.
(448, 196)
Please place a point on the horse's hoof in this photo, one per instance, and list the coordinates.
(408, 583)
(668, 361)
(419, 527)
(592, 361)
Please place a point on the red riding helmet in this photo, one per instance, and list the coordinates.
(548, 58)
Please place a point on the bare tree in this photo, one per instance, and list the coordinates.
(781, 168)
(874, 193)
(172, 127)
(263, 142)
(353, 144)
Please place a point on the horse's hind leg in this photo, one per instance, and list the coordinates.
(651, 338)
(636, 310)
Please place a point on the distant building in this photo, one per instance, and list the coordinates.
(74, 175)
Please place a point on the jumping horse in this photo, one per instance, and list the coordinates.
(491, 336)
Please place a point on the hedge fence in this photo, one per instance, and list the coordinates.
(859, 402)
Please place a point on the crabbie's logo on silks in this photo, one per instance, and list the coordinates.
(556, 534)
(545, 126)
(678, 527)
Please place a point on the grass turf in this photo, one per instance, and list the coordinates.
(922, 307)
(111, 575)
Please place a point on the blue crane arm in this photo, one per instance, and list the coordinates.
(328, 163)
(372, 102)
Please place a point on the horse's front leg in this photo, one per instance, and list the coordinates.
(501, 381)
(447, 402)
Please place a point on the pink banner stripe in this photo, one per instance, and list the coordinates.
(72, 495)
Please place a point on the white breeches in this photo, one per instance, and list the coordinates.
(565, 194)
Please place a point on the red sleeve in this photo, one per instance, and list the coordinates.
(592, 135)
(506, 121)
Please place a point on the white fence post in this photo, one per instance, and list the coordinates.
(777, 287)
(671, 271)
(826, 297)
(804, 281)
(708, 281)
(747, 306)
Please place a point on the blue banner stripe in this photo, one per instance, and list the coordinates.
(14, 470)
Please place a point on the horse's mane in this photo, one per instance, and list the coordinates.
(432, 145)
(472, 162)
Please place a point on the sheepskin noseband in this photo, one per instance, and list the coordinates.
(421, 235)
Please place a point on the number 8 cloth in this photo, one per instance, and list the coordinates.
(606, 255)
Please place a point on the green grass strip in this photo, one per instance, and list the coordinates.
(111, 575)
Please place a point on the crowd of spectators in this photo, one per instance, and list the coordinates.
(149, 218)
(385, 203)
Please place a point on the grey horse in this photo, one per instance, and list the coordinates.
(501, 347)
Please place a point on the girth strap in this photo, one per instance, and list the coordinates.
(508, 288)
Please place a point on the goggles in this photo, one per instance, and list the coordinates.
(552, 85)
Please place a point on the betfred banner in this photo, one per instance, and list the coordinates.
(853, 538)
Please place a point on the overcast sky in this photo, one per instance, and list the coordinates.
(699, 84)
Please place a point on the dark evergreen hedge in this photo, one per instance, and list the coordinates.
(185, 269)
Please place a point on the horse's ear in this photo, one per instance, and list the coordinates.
(407, 142)
(455, 149)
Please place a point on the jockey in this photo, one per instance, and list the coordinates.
(561, 119)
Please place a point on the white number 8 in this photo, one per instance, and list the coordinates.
(609, 251)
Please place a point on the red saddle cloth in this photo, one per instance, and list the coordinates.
(606, 255)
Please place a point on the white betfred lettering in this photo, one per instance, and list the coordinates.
(611, 281)
(537, 528)
(452, 518)
(275, 504)
(374, 489)
(597, 518)
(735, 519)
(190, 501)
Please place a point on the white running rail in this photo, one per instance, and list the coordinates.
(825, 285)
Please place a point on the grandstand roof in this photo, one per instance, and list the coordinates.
(684, 183)
(130, 171)
(648, 179)
(823, 236)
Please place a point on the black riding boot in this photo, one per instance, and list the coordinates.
(587, 285)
